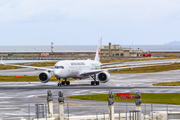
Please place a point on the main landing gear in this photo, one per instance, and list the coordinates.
(63, 82)
(94, 82)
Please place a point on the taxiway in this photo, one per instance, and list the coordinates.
(16, 96)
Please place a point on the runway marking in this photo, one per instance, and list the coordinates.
(100, 92)
(30, 96)
(80, 91)
(6, 97)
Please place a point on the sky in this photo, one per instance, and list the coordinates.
(83, 22)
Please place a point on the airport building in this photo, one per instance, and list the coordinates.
(113, 51)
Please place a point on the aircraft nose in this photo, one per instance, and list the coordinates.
(57, 73)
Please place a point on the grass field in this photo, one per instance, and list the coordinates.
(160, 98)
(177, 83)
(41, 64)
(19, 79)
(25, 79)
(3, 67)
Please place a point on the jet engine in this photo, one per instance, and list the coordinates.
(103, 77)
(45, 77)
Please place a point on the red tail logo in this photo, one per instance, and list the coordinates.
(99, 51)
(1, 60)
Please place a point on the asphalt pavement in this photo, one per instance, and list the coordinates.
(15, 97)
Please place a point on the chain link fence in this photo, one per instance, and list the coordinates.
(31, 111)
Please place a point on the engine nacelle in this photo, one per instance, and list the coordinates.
(103, 77)
(45, 77)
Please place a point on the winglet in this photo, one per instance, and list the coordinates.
(2, 60)
(98, 52)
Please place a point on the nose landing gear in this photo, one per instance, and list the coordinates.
(59, 83)
(63, 82)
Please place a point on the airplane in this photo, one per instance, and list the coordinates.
(78, 69)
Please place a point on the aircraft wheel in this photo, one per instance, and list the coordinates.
(59, 84)
(67, 82)
(97, 82)
(63, 82)
(92, 82)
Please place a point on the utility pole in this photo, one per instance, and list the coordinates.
(52, 47)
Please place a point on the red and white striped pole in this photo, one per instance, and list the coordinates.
(52, 47)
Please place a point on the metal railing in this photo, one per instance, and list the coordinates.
(30, 111)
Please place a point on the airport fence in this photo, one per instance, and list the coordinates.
(32, 111)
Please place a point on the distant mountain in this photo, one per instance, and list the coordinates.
(173, 43)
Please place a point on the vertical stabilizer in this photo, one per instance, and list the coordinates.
(98, 52)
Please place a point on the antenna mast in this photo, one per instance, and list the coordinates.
(52, 47)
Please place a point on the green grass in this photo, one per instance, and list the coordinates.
(26, 79)
(177, 83)
(3, 67)
(42, 64)
(160, 98)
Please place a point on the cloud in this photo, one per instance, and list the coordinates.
(43, 21)
(92, 10)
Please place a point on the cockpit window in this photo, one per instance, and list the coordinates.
(59, 67)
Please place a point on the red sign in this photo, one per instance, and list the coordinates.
(147, 55)
(17, 76)
(127, 97)
(44, 54)
(123, 94)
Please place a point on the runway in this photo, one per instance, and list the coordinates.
(15, 96)
(15, 103)
(126, 82)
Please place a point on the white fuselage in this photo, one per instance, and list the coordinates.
(72, 68)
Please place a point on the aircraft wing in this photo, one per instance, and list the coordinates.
(149, 62)
(90, 72)
(115, 63)
(110, 69)
(36, 68)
